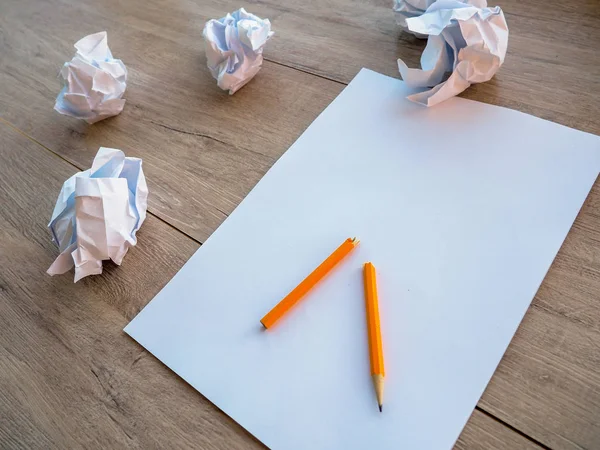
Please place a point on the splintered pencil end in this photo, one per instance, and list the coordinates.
(380, 408)
(355, 241)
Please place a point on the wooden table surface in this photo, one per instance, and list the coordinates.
(69, 376)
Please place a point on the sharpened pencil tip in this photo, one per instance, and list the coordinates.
(380, 408)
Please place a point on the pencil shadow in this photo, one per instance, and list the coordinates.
(253, 330)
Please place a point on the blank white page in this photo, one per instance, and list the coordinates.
(461, 207)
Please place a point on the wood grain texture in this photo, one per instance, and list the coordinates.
(30, 186)
(552, 69)
(203, 150)
(69, 377)
(552, 364)
(484, 432)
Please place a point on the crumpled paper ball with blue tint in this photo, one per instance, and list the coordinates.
(234, 46)
(98, 213)
(94, 82)
(468, 41)
(405, 9)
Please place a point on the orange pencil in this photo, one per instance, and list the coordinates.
(375, 346)
(308, 283)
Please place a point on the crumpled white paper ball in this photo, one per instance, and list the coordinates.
(94, 82)
(468, 41)
(98, 213)
(234, 46)
(405, 9)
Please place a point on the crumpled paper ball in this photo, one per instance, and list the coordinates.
(234, 46)
(98, 213)
(94, 82)
(405, 9)
(468, 41)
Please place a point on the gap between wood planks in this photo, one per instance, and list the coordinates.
(307, 71)
(76, 166)
(510, 427)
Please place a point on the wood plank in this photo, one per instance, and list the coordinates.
(548, 383)
(483, 432)
(552, 69)
(196, 180)
(203, 150)
(552, 363)
(69, 377)
(30, 186)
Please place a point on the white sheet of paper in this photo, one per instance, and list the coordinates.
(461, 208)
